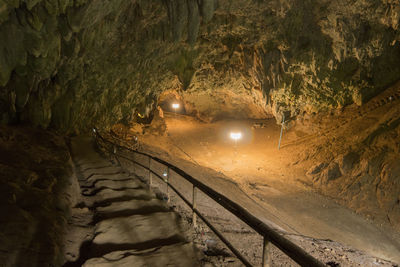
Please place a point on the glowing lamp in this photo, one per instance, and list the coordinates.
(175, 106)
(236, 135)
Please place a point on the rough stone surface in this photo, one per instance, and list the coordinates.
(126, 208)
(131, 226)
(362, 151)
(109, 195)
(73, 64)
(87, 173)
(126, 184)
(37, 190)
(137, 229)
(347, 161)
(175, 255)
(316, 168)
(96, 178)
(331, 173)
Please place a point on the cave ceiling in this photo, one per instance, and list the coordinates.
(71, 65)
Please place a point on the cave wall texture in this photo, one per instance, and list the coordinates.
(72, 64)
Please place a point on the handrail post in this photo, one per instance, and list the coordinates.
(150, 176)
(167, 182)
(194, 217)
(115, 155)
(134, 162)
(280, 138)
(266, 257)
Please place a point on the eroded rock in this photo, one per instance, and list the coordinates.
(332, 172)
(317, 168)
(61, 68)
(347, 161)
(37, 191)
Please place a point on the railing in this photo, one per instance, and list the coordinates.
(270, 236)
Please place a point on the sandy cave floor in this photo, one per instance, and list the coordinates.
(268, 176)
(273, 183)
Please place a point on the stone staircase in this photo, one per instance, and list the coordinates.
(119, 222)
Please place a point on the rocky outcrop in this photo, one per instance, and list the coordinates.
(357, 162)
(73, 64)
(37, 191)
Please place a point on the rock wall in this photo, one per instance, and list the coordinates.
(355, 156)
(37, 191)
(73, 64)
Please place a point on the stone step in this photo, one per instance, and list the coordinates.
(86, 167)
(92, 185)
(90, 162)
(136, 232)
(128, 208)
(88, 158)
(103, 171)
(113, 177)
(173, 255)
(114, 185)
(119, 184)
(128, 225)
(107, 196)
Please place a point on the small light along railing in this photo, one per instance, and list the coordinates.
(270, 236)
(175, 106)
(236, 136)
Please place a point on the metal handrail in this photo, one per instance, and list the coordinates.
(292, 250)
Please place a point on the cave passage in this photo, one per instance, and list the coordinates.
(275, 179)
(289, 107)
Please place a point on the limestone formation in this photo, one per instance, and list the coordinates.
(37, 191)
(70, 65)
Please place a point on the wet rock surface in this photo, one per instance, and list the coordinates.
(125, 224)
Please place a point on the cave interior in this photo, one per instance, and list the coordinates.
(290, 108)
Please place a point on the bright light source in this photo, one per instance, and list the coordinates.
(236, 135)
(175, 106)
(94, 130)
(165, 174)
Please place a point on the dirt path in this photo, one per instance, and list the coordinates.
(263, 173)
